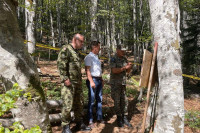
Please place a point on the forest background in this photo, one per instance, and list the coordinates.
(54, 22)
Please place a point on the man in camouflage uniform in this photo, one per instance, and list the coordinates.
(119, 67)
(69, 66)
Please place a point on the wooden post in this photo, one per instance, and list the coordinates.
(149, 86)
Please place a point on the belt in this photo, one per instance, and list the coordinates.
(96, 77)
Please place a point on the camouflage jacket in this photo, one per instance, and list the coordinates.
(69, 64)
(119, 78)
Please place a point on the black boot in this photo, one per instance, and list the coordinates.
(126, 122)
(66, 129)
(81, 126)
(119, 121)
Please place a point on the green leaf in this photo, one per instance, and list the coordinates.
(7, 130)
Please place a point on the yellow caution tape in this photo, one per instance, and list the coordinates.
(191, 76)
(45, 46)
(135, 63)
(82, 53)
(103, 58)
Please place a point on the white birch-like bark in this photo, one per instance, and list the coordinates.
(108, 38)
(16, 66)
(41, 21)
(93, 12)
(30, 25)
(58, 6)
(165, 24)
(134, 20)
(51, 24)
(113, 40)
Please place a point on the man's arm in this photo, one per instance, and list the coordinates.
(118, 70)
(126, 68)
(89, 76)
(62, 64)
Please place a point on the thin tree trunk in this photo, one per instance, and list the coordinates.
(113, 40)
(29, 24)
(134, 23)
(108, 39)
(41, 21)
(93, 12)
(58, 6)
(52, 28)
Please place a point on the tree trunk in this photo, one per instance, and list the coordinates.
(58, 6)
(108, 39)
(113, 40)
(42, 18)
(134, 22)
(16, 66)
(93, 12)
(165, 18)
(51, 21)
(30, 26)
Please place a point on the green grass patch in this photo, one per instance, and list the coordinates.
(130, 92)
(192, 119)
(52, 90)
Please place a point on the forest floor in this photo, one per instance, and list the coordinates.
(49, 73)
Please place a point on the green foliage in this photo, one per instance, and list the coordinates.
(105, 77)
(45, 54)
(190, 6)
(135, 82)
(8, 99)
(131, 92)
(52, 90)
(18, 128)
(192, 119)
(28, 96)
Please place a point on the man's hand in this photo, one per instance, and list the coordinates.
(128, 66)
(92, 84)
(67, 82)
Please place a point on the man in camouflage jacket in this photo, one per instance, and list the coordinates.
(69, 67)
(119, 66)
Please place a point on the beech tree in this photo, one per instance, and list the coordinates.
(165, 23)
(16, 66)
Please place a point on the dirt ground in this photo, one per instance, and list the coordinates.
(136, 110)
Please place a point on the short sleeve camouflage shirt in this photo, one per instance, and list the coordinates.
(116, 62)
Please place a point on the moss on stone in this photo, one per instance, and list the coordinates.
(35, 88)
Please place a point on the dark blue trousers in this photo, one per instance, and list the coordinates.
(95, 94)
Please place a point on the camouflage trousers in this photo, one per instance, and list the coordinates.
(118, 94)
(72, 97)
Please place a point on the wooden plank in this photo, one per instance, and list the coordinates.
(146, 66)
(149, 86)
